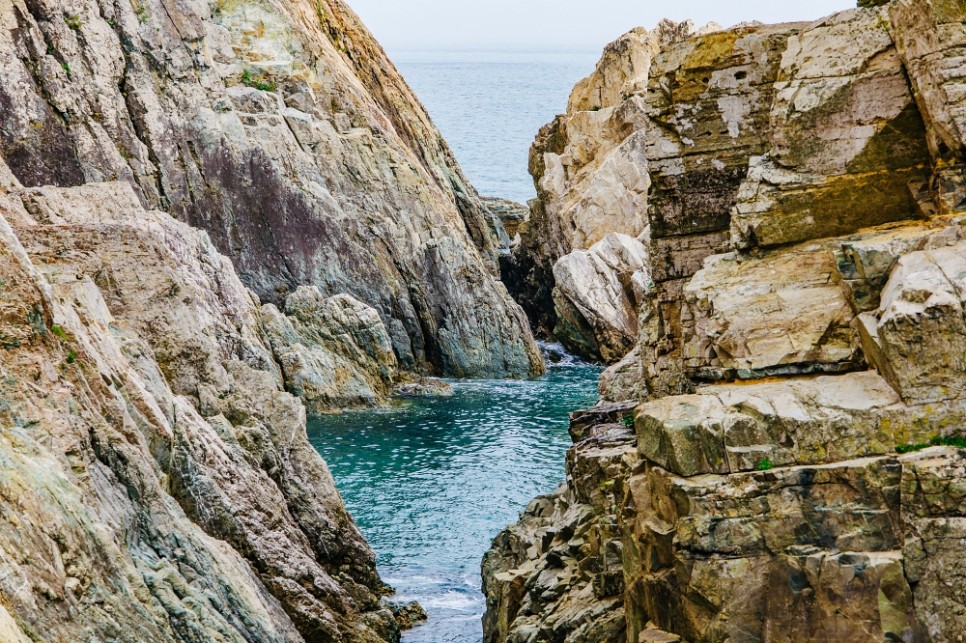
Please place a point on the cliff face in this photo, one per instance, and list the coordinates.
(785, 466)
(158, 483)
(282, 130)
(206, 210)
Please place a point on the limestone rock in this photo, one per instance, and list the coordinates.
(918, 335)
(334, 352)
(934, 523)
(785, 313)
(729, 556)
(846, 137)
(597, 295)
(801, 188)
(930, 37)
(728, 428)
(624, 380)
(557, 572)
(282, 130)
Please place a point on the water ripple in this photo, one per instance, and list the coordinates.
(432, 481)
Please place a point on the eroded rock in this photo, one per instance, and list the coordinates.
(597, 296)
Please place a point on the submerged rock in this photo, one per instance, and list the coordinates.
(424, 388)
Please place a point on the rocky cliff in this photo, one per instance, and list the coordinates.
(214, 217)
(780, 456)
(282, 130)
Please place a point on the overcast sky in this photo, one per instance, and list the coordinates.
(398, 23)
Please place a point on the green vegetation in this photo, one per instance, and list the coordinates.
(936, 441)
(257, 82)
(66, 68)
(628, 420)
(71, 356)
(73, 22)
(764, 465)
(142, 13)
(60, 332)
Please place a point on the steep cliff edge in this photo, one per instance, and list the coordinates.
(779, 457)
(282, 130)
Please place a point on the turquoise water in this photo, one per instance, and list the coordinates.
(490, 103)
(432, 481)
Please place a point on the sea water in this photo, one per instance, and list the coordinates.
(490, 103)
(432, 481)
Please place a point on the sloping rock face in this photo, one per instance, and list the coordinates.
(597, 296)
(158, 482)
(282, 130)
(795, 470)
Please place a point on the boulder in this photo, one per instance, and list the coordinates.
(785, 313)
(334, 352)
(597, 295)
(728, 428)
(917, 336)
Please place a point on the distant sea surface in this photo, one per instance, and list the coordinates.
(490, 103)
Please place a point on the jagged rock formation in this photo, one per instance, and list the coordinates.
(205, 208)
(282, 130)
(158, 483)
(798, 189)
(597, 294)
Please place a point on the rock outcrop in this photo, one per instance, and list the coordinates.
(158, 482)
(597, 294)
(795, 467)
(282, 130)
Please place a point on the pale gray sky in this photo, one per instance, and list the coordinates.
(560, 22)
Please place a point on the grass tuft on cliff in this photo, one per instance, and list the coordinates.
(950, 441)
(257, 82)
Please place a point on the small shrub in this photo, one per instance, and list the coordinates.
(71, 356)
(142, 13)
(66, 68)
(73, 22)
(257, 83)
(628, 420)
(764, 465)
(57, 330)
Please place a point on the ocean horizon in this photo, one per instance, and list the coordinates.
(489, 102)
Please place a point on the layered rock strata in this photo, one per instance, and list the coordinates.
(800, 347)
(282, 130)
